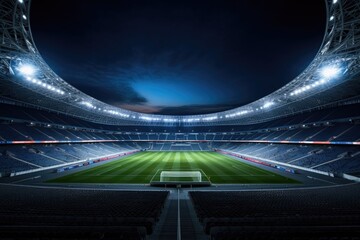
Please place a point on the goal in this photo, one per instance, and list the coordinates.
(176, 176)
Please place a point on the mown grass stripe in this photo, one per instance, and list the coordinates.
(141, 167)
(221, 170)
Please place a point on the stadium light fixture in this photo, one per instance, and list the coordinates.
(238, 113)
(21, 1)
(27, 70)
(268, 104)
(149, 118)
(113, 112)
(24, 16)
(330, 72)
(211, 118)
(191, 120)
(169, 120)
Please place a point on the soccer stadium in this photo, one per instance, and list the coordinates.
(285, 166)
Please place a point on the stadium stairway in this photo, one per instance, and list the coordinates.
(178, 220)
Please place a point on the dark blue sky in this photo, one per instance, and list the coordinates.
(178, 57)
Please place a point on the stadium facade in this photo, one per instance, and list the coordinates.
(305, 135)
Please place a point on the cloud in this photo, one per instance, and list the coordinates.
(196, 109)
(110, 85)
(143, 108)
(114, 84)
(182, 110)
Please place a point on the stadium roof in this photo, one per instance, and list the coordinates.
(332, 77)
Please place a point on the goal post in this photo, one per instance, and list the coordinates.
(171, 176)
(182, 177)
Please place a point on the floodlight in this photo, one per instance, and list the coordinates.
(330, 72)
(27, 70)
(268, 104)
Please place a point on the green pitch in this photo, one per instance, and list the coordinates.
(143, 166)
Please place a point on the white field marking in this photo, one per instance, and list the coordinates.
(110, 167)
(155, 174)
(241, 170)
(103, 173)
(258, 168)
(158, 157)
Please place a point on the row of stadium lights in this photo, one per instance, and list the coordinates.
(90, 105)
(28, 72)
(327, 73)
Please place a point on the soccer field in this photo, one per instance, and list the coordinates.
(144, 166)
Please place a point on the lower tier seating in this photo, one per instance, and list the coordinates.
(280, 214)
(67, 213)
(335, 158)
(16, 158)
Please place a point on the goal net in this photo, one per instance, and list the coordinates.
(174, 176)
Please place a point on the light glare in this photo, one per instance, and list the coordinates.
(27, 70)
(330, 72)
(268, 104)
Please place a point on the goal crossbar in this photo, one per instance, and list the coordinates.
(180, 174)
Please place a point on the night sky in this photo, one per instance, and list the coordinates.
(178, 57)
